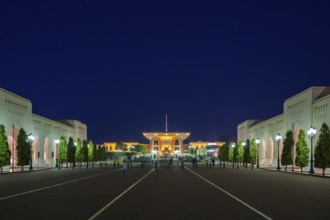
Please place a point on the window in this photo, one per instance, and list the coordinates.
(156, 142)
(176, 142)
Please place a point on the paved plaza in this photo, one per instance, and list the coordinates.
(164, 192)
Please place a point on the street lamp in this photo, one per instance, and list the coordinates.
(311, 134)
(244, 144)
(130, 154)
(258, 142)
(130, 151)
(233, 146)
(31, 139)
(278, 139)
(57, 141)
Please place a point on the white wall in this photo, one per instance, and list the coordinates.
(16, 113)
(310, 107)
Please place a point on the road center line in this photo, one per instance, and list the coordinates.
(231, 195)
(118, 197)
(56, 185)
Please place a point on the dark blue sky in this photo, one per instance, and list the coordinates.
(120, 68)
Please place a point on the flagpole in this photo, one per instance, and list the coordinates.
(166, 122)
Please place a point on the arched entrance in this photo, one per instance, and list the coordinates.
(11, 138)
(262, 152)
(35, 148)
(270, 152)
(46, 153)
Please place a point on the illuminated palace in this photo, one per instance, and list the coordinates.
(161, 143)
(166, 143)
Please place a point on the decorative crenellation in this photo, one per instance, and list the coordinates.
(320, 112)
(16, 112)
(15, 105)
(297, 108)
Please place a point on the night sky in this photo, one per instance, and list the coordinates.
(120, 66)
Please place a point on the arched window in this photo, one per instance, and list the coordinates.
(176, 142)
(155, 142)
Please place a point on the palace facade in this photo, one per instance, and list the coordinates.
(16, 113)
(308, 108)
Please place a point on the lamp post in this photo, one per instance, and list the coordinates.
(244, 144)
(311, 134)
(258, 142)
(278, 139)
(57, 141)
(13, 151)
(130, 151)
(31, 139)
(233, 146)
(130, 155)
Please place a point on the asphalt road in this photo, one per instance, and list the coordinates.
(163, 193)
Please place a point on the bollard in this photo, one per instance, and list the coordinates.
(156, 164)
(114, 165)
(207, 164)
(118, 164)
(182, 164)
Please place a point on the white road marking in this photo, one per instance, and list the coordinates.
(231, 195)
(118, 197)
(56, 185)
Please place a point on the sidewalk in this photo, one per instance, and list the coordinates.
(317, 171)
(26, 169)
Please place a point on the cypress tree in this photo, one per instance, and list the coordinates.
(63, 151)
(5, 153)
(231, 154)
(322, 149)
(286, 158)
(239, 153)
(253, 152)
(84, 152)
(246, 154)
(78, 154)
(302, 151)
(91, 152)
(71, 151)
(23, 149)
(224, 152)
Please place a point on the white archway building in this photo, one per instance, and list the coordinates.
(306, 109)
(16, 113)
